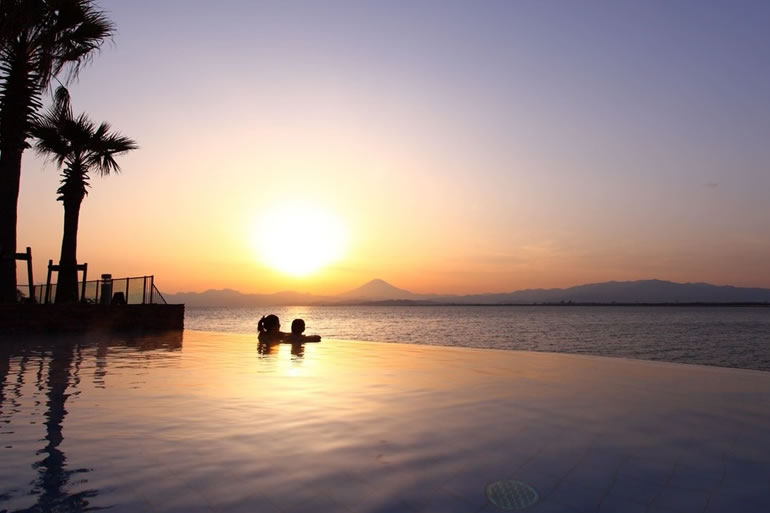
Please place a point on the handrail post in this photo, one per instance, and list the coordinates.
(127, 283)
(29, 274)
(152, 288)
(48, 283)
(144, 290)
(85, 277)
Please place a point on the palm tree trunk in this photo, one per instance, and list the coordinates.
(67, 283)
(10, 169)
(17, 104)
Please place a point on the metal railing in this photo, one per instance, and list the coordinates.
(139, 290)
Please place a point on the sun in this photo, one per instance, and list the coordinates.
(299, 239)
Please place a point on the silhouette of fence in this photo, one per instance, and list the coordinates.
(139, 290)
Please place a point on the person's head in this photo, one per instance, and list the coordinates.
(297, 326)
(269, 324)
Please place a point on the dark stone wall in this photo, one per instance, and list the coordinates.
(75, 318)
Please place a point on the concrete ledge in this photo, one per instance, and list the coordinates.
(27, 318)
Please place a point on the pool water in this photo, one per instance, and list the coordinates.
(201, 422)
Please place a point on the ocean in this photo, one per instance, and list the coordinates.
(721, 336)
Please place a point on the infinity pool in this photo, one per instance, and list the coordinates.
(201, 422)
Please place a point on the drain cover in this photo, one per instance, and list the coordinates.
(511, 495)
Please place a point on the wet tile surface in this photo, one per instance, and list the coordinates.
(205, 422)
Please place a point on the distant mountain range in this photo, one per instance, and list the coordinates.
(381, 292)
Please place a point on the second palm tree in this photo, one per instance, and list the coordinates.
(78, 146)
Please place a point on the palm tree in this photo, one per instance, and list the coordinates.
(78, 147)
(38, 40)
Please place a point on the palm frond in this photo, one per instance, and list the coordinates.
(81, 30)
(49, 143)
(57, 34)
(106, 146)
(77, 144)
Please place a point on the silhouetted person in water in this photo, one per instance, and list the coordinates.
(269, 329)
(297, 330)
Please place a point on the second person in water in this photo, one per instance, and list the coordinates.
(269, 329)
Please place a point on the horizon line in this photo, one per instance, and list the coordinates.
(456, 294)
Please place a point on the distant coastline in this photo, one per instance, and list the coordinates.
(613, 293)
(565, 304)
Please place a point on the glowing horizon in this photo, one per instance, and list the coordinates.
(487, 148)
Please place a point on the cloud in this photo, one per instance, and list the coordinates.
(711, 185)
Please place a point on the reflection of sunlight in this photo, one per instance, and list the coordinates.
(288, 364)
(299, 238)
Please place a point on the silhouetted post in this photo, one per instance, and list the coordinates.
(51, 268)
(85, 277)
(29, 273)
(106, 293)
(28, 257)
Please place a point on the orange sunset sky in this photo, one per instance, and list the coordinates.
(445, 147)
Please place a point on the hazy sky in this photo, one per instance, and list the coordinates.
(466, 146)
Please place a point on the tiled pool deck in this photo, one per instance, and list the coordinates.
(361, 428)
